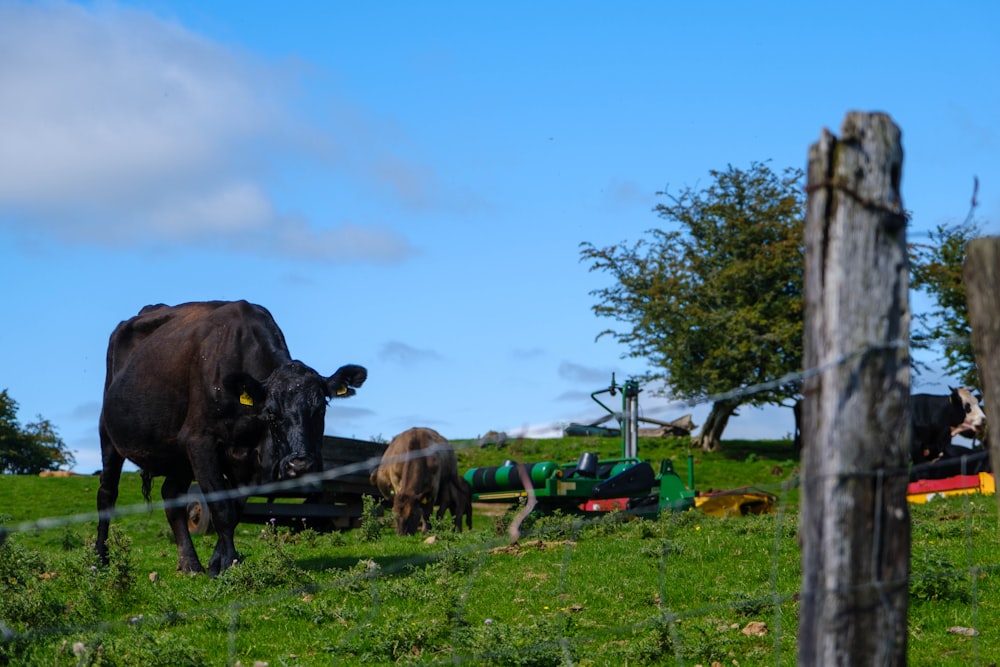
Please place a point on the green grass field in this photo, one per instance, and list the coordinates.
(683, 589)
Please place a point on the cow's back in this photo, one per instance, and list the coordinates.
(198, 335)
(926, 409)
(408, 466)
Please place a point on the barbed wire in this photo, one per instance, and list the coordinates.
(665, 617)
(611, 632)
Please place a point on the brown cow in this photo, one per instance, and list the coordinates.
(454, 493)
(410, 474)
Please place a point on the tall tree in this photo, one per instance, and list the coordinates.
(30, 449)
(936, 269)
(714, 301)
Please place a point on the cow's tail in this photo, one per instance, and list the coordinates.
(147, 487)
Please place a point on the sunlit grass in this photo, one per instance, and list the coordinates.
(681, 589)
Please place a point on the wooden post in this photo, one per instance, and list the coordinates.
(981, 275)
(855, 523)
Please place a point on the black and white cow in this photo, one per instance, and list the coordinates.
(935, 421)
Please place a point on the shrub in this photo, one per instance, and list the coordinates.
(27, 600)
(373, 520)
(933, 577)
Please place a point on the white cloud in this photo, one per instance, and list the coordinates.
(120, 128)
(581, 374)
(620, 194)
(346, 243)
(406, 355)
(228, 208)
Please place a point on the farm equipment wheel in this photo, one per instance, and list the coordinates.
(199, 518)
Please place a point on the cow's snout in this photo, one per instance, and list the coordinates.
(297, 466)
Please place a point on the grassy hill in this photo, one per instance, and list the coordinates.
(684, 588)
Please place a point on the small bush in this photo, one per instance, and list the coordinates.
(143, 648)
(71, 539)
(525, 643)
(556, 526)
(400, 639)
(663, 548)
(752, 606)
(121, 565)
(501, 524)
(27, 600)
(934, 577)
(273, 566)
(373, 520)
(607, 524)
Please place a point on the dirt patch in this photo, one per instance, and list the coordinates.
(517, 548)
(490, 509)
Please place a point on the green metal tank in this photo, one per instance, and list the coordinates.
(507, 477)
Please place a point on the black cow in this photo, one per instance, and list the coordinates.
(454, 493)
(209, 392)
(955, 460)
(936, 420)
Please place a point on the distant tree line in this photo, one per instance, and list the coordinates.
(30, 449)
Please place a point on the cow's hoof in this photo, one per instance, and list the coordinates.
(187, 567)
(215, 567)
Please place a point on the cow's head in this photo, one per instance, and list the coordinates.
(973, 418)
(410, 511)
(292, 401)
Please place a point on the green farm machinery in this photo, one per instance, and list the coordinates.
(592, 484)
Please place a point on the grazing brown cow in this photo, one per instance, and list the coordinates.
(209, 392)
(410, 474)
(454, 493)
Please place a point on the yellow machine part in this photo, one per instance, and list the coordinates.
(739, 502)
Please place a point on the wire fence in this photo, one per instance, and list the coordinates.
(952, 571)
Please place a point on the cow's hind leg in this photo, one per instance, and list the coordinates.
(173, 490)
(466, 504)
(107, 494)
(444, 500)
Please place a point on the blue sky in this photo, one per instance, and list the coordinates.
(406, 185)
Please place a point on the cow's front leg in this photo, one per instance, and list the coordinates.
(225, 515)
(426, 509)
(172, 491)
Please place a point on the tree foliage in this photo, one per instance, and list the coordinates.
(713, 301)
(30, 449)
(936, 269)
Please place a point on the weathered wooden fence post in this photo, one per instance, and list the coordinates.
(855, 523)
(981, 275)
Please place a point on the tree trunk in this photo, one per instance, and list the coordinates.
(710, 439)
(854, 522)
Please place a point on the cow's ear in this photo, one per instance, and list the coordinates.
(342, 383)
(246, 389)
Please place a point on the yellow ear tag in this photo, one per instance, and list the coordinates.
(245, 399)
(341, 391)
